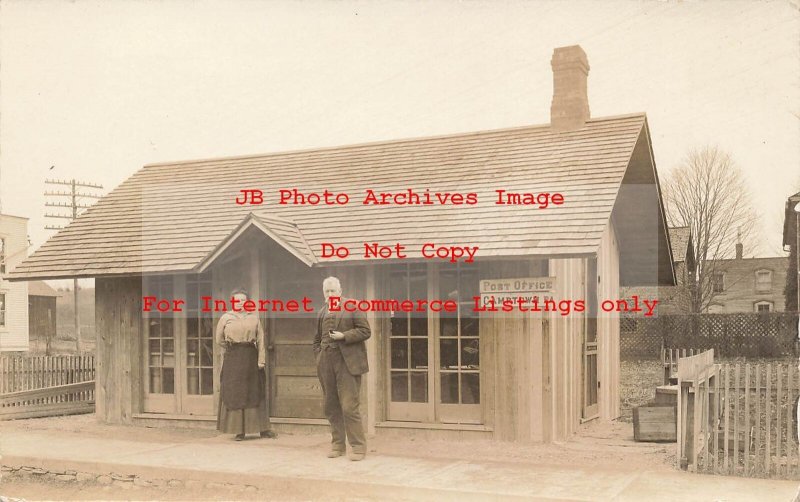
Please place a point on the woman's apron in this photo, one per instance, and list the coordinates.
(241, 378)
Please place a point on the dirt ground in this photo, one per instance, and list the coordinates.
(600, 444)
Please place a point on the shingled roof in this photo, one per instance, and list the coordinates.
(172, 217)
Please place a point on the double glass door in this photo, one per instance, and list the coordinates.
(434, 370)
(179, 348)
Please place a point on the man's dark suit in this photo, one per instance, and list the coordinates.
(340, 365)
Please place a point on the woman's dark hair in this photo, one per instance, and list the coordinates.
(239, 290)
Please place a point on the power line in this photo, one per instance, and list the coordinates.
(74, 206)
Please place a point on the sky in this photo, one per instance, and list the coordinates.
(99, 89)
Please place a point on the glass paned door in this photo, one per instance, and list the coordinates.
(160, 350)
(409, 392)
(459, 347)
(199, 353)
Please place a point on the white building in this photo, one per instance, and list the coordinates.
(13, 295)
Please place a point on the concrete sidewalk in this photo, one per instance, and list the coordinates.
(295, 463)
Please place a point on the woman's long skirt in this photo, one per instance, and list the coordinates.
(242, 397)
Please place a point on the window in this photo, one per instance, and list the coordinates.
(718, 282)
(763, 307)
(2, 255)
(763, 281)
(199, 338)
(2, 309)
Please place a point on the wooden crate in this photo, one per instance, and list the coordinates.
(655, 423)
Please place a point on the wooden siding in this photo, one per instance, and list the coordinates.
(566, 350)
(608, 326)
(170, 217)
(118, 317)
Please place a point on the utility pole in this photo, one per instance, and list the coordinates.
(74, 206)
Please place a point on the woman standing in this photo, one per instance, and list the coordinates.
(242, 398)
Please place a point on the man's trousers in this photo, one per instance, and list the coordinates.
(341, 391)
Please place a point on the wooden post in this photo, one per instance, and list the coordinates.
(716, 419)
(747, 427)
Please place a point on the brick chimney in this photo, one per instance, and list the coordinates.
(739, 246)
(570, 108)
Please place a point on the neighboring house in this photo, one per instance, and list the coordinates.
(41, 315)
(748, 284)
(173, 230)
(790, 223)
(672, 299)
(13, 295)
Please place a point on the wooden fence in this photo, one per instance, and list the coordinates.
(743, 422)
(70, 399)
(19, 373)
(757, 433)
(770, 334)
(41, 386)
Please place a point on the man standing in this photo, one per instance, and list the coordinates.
(341, 360)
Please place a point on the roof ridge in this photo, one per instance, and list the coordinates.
(387, 142)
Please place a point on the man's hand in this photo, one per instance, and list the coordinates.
(337, 335)
(261, 366)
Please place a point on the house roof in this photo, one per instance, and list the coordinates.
(679, 241)
(173, 217)
(41, 288)
(790, 220)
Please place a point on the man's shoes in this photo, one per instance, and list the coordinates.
(268, 434)
(239, 437)
(335, 453)
(355, 457)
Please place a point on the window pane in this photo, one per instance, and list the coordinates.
(448, 326)
(397, 284)
(168, 345)
(470, 388)
(448, 349)
(166, 328)
(206, 352)
(155, 380)
(192, 381)
(419, 326)
(419, 387)
(449, 388)
(206, 326)
(155, 346)
(399, 352)
(192, 353)
(399, 387)
(169, 381)
(207, 381)
(419, 353)
(470, 353)
(400, 325)
(469, 325)
(155, 328)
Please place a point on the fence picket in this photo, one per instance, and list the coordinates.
(727, 405)
(768, 432)
(778, 430)
(789, 409)
(716, 423)
(757, 464)
(747, 428)
(736, 421)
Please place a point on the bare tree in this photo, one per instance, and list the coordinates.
(708, 193)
